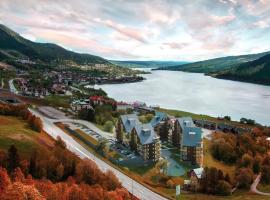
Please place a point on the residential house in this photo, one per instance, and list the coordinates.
(123, 106)
(188, 138)
(195, 177)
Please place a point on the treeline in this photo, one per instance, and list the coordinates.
(59, 175)
(248, 151)
(22, 111)
(214, 181)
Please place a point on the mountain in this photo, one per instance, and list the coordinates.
(216, 64)
(146, 64)
(257, 71)
(13, 46)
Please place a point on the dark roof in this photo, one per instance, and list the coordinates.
(192, 135)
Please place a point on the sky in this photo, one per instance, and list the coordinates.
(179, 30)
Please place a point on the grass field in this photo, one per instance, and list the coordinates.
(58, 101)
(209, 161)
(178, 113)
(16, 131)
(264, 188)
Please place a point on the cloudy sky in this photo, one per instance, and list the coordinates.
(144, 29)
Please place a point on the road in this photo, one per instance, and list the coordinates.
(12, 87)
(59, 116)
(132, 186)
(253, 187)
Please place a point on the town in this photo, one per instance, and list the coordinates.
(133, 135)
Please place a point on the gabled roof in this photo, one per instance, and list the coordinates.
(146, 133)
(159, 116)
(129, 121)
(192, 135)
(198, 172)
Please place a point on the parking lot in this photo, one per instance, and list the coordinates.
(85, 129)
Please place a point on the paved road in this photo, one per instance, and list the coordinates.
(253, 187)
(12, 87)
(59, 116)
(132, 186)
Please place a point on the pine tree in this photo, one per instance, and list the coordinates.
(13, 158)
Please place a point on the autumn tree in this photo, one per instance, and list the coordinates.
(4, 180)
(223, 188)
(244, 176)
(112, 181)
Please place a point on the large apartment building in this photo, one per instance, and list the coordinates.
(188, 138)
(141, 138)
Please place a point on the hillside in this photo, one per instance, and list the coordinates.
(257, 71)
(13, 46)
(216, 64)
(146, 64)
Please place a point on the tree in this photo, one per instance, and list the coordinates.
(119, 132)
(244, 177)
(59, 172)
(13, 159)
(112, 181)
(17, 175)
(170, 184)
(247, 160)
(108, 126)
(176, 134)
(257, 164)
(87, 114)
(227, 118)
(102, 146)
(60, 143)
(4, 180)
(223, 188)
(265, 174)
(33, 164)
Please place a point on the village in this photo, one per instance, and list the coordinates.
(140, 135)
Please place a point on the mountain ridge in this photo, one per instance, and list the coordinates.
(12, 44)
(215, 64)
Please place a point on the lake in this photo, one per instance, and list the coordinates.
(197, 93)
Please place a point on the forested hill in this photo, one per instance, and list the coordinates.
(257, 71)
(13, 46)
(146, 64)
(216, 64)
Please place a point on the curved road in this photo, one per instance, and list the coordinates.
(132, 186)
(253, 187)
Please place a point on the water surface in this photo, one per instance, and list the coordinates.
(197, 93)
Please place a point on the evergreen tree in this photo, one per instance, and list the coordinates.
(13, 158)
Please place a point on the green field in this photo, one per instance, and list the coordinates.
(17, 132)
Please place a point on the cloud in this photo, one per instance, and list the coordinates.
(141, 29)
(130, 32)
(262, 24)
(175, 45)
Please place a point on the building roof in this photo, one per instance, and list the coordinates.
(192, 135)
(146, 133)
(159, 116)
(129, 121)
(198, 172)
